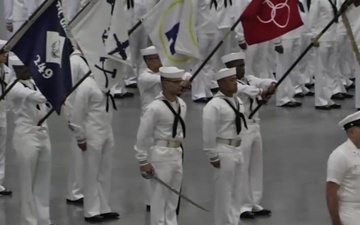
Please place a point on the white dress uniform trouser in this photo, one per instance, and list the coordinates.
(164, 202)
(201, 85)
(357, 84)
(256, 61)
(349, 213)
(33, 152)
(286, 90)
(306, 64)
(252, 175)
(75, 173)
(227, 191)
(344, 51)
(325, 81)
(97, 176)
(230, 45)
(3, 136)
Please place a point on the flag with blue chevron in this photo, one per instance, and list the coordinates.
(171, 28)
(45, 50)
(117, 44)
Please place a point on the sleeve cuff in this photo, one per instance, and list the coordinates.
(81, 141)
(333, 180)
(215, 159)
(143, 162)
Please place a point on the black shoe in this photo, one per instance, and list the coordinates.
(264, 212)
(338, 96)
(299, 95)
(324, 107)
(310, 93)
(79, 201)
(247, 215)
(110, 216)
(298, 104)
(202, 100)
(346, 95)
(308, 86)
(335, 106)
(289, 105)
(134, 85)
(148, 208)
(5, 193)
(94, 219)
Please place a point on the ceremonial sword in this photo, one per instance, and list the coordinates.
(173, 190)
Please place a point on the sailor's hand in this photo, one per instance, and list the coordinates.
(216, 164)
(279, 49)
(147, 171)
(271, 89)
(82, 146)
(186, 84)
(10, 27)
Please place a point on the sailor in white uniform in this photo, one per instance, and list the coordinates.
(251, 90)
(343, 175)
(327, 81)
(79, 69)
(5, 75)
(91, 121)
(223, 121)
(32, 146)
(159, 145)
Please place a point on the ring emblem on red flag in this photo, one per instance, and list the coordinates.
(274, 9)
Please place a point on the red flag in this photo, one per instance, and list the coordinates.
(264, 20)
(357, 3)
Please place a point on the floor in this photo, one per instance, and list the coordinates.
(297, 143)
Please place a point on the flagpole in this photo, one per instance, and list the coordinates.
(51, 111)
(342, 10)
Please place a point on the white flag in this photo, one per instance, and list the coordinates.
(187, 43)
(90, 30)
(117, 44)
(163, 23)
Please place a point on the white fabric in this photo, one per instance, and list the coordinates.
(88, 32)
(149, 51)
(225, 72)
(250, 88)
(201, 85)
(8, 10)
(93, 124)
(219, 122)
(326, 81)
(74, 7)
(256, 60)
(79, 68)
(149, 85)
(31, 6)
(321, 13)
(286, 91)
(343, 168)
(350, 118)
(205, 22)
(232, 57)
(33, 151)
(19, 14)
(156, 124)
(171, 72)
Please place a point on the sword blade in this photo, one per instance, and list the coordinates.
(179, 194)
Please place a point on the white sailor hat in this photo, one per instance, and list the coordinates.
(232, 57)
(15, 61)
(351, 120)
(2, 43)
(149, 51)
(226, 72)
(171, 72)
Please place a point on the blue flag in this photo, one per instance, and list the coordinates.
(45, 51)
